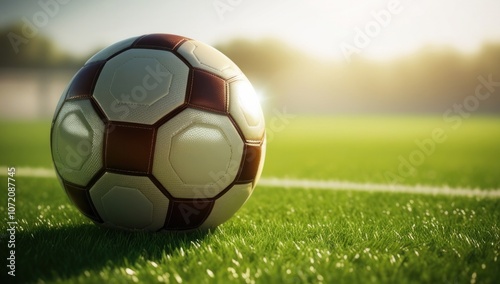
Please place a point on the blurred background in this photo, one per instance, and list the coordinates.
(327, 57)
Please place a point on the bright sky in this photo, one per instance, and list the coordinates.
(318, 26)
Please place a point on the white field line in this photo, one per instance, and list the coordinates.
(318, 184)
(377, 187)
(30, 172)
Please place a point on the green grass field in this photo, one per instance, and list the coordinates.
(286, 235)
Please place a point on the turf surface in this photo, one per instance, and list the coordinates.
(286, 235)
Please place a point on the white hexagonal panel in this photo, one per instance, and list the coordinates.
(77, 139)
(244, 107)
(197, 154)
(203, 56)
(138, 213)
(112, 49)
(200, 142)
(127, 88)
(141, 85)
(227, 205)
(129, 202)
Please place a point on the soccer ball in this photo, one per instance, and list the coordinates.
(158, 132)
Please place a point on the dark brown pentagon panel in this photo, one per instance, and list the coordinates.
(81, 198)
(84, 82)
(250, 163)
(129, 148)
(161, 41)
(207, 91)
(187, 214)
